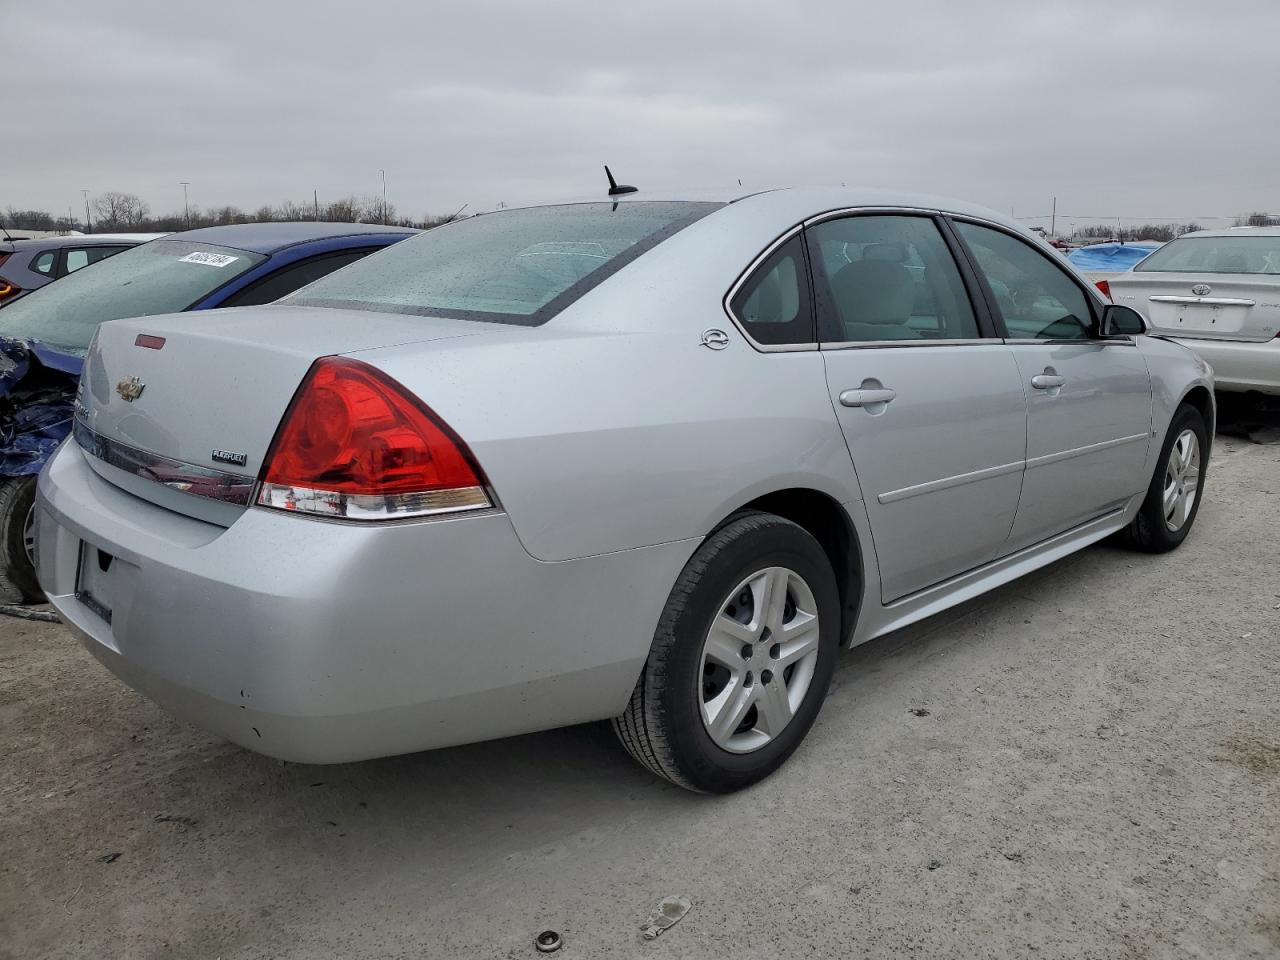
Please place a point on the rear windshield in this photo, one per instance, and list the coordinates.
(163, 276)
(515, 266)
(1215, 255)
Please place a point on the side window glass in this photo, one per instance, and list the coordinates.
(1037, 299)
(888, 278)
(43, 263)
(77, 259)
(773, 305)
(293, 277)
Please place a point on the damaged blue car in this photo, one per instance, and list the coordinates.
(44, 336)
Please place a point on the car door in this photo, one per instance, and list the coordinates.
(1088, 398)
(930, 403)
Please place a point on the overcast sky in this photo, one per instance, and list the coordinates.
(1132, 109)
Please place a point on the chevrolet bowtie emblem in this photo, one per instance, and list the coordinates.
(130, 389)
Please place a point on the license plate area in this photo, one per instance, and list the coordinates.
(94, 580)
(1214, 318)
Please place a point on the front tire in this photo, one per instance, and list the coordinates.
(17, 562)
(1173, 499)
(741, 660)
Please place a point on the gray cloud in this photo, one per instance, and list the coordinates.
(1137, 109)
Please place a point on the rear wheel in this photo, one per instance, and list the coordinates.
(1173, 499)
(17, 540)
(741, 660)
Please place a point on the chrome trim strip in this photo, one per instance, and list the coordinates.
(184, 477)
(1212, 301)
(1049, 458)
(946, 483)
(1118, 341)
(886, 344)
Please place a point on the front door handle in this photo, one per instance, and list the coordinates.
(1047, 381)
(865, 398)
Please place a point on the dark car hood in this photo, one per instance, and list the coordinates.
(37, 399)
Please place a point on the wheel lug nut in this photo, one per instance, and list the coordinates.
(747, 651)
(766, 676)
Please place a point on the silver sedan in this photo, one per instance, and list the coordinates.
(652, 460)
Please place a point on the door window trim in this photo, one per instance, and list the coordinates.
(987, 329)
(1093, 301)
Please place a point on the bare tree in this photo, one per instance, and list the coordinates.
(116, 209)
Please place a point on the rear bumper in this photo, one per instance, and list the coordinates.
(1240, 365)
(322, 642)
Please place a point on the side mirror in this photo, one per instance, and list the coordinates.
(1118, 321)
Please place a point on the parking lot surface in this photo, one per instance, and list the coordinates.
(1085, 763)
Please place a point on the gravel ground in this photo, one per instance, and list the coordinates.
(1085, 763)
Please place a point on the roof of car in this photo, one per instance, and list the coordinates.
(270, 237)
(1236, 232)
(809, 201)
(79, 240)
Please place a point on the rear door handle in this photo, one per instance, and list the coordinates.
(1047, 381)
(864, 398)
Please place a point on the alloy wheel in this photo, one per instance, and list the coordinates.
(1181, 479)
(29, 534)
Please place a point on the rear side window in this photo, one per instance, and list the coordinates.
(1260, 255)
(43, 262)
(1036, 298)
(773, 303)
(515, 266)
(293, 277)
(80, 257)
(888, 278)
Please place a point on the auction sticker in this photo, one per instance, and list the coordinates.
(209, 259)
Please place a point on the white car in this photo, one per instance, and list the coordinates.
(1217, 292)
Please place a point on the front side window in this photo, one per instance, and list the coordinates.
(293, 277)
(1257, 255)
(164, 276)
(773, 304)
(1036, 299)
(514, 266)
(888, 278)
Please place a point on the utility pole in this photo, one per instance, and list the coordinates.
(315, 198)
(86, 210)
(186, 207)
(71, 220)
(384, 197)
(1053, 219)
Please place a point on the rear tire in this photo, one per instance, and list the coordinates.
(741, 660)
(1170, 507)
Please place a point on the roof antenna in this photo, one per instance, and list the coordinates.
(615, 188)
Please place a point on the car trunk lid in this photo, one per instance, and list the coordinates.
(1211, 307)
(182, 409)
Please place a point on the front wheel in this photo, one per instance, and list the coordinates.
(1173, 499)
(741, 660)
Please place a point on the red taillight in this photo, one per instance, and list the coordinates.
(355, 444)
(1105, 287)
